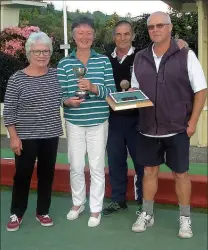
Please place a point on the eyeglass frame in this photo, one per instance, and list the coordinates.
(158, 26)
(41, 52)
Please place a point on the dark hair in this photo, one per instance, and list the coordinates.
(83, 20)
(121, 23)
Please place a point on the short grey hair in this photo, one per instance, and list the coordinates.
(123, 22)
(82, 21)
(160, 13)
(37, 37)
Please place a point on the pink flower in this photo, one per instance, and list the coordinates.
(12, 47)
(13, 39)
(26, 31)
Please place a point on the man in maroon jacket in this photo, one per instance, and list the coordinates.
(174, 81)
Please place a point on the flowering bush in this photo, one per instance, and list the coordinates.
(12, 53)
(13, 40)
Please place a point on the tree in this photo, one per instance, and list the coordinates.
(185, 26)
(142, 39)
(50, 20)
(113, 20)
(128, 17)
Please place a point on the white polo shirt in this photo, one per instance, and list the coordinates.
(195, 72)
(130, 52)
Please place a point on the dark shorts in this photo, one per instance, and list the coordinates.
(173, 151)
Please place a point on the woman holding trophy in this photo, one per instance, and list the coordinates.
(86, 80)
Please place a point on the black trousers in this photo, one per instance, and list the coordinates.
(45, 151)
(122, 135)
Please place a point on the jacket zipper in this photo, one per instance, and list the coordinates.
(156, 105)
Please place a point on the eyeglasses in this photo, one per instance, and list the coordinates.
(158, 26)
(43, 52)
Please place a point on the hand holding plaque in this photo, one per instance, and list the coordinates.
(80, 73)
(128, 100)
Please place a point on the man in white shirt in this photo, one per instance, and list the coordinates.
(174, 80)
(122, 124)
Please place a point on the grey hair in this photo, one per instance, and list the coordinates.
(37, 37)
(160, 13)
(123, 22)
(82, 21)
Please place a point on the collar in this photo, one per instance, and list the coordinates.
(92, 53)
(130, 52)
(153, 53)
(173, 48)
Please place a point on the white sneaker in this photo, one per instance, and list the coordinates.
(93, 221)
(185, 230)
(73, 215)
(143, 221)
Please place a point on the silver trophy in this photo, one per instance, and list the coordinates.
(124, 84)
(80, 73)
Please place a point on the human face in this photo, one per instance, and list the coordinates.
(39, 55)
(158, 28)
(123, 37)
(83, 36)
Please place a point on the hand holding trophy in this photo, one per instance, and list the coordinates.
(80, 73)
(124, 84)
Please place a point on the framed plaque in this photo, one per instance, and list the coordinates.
(128, 100)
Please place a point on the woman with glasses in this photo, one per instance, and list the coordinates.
(32, 117)
(86, 71)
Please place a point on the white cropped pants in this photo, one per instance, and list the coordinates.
(90, 140)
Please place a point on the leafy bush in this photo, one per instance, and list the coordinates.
(8, 66)
(185, 26)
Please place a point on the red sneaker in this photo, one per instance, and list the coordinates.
(14, 223)
(45, 220)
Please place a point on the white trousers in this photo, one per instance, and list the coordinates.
(90, 140)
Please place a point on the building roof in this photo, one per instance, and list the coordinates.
(21, 3)
(182, 5)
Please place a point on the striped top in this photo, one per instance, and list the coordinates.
(32, 104)
(95, 110)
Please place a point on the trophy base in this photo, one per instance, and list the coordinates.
(82, 94)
